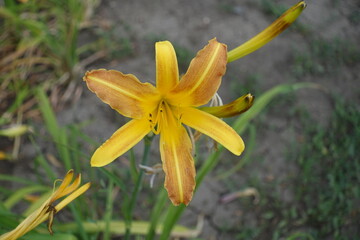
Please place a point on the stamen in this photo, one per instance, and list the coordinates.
(156, 124)
(216, 100)
(192, 139)
(153, 171)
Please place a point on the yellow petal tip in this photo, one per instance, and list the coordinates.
(97, 161)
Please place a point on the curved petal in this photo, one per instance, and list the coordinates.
(72, 196)
(240, 105)
(65, 183)
(123, 92)
(214, 128)
(268, 34)
(178, 163)
(167, 73)
(120, 142)
(203, 78)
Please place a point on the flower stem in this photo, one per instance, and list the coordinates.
(138, 186)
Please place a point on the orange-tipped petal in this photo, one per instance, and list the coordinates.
(203, 78)
(167, 73)
(74, 185)
(234, 108)
(65, 183)
(72, 196)
(268, 34)
(178, 163)
(214, 128)
(120, 142)
(123, 92)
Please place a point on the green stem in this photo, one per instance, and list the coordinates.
(250, 145)
(118, 228)
(109, 208)
(79, 221)
(156, 213)
(138, 187)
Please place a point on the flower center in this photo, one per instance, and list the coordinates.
(163, 117)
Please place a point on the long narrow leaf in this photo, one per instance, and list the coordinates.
(21, 193)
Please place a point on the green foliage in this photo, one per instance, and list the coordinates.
(328, 189)
(325, 189)
(325, 57)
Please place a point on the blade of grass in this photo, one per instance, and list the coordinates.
(57, 133)
(40, 159)
(242, 122)
(4, 177)
(79, 222)
(156, 214)
(48, 114)
(63, 148)
(115, 179)
(21, 193)
(138, 185)
(75, 147)
(108, 210)
(133, 170)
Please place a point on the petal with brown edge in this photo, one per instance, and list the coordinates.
(203, 78)
(123, 92)
(178, 163)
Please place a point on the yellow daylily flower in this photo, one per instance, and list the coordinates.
(173, 102)
(47, 209)
(164, 109)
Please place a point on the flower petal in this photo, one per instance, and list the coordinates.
(64, 184)
(178, 163)
(72, 196)
(203, 78)
(277, 27)
(120, 142)
(214, 128)
(123, 92)
(240, 105)
(167, 73)
(74, 185)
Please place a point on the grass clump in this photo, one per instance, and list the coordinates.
(327, 190)
(325, 57)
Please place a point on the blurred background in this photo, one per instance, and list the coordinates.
(299, 177)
